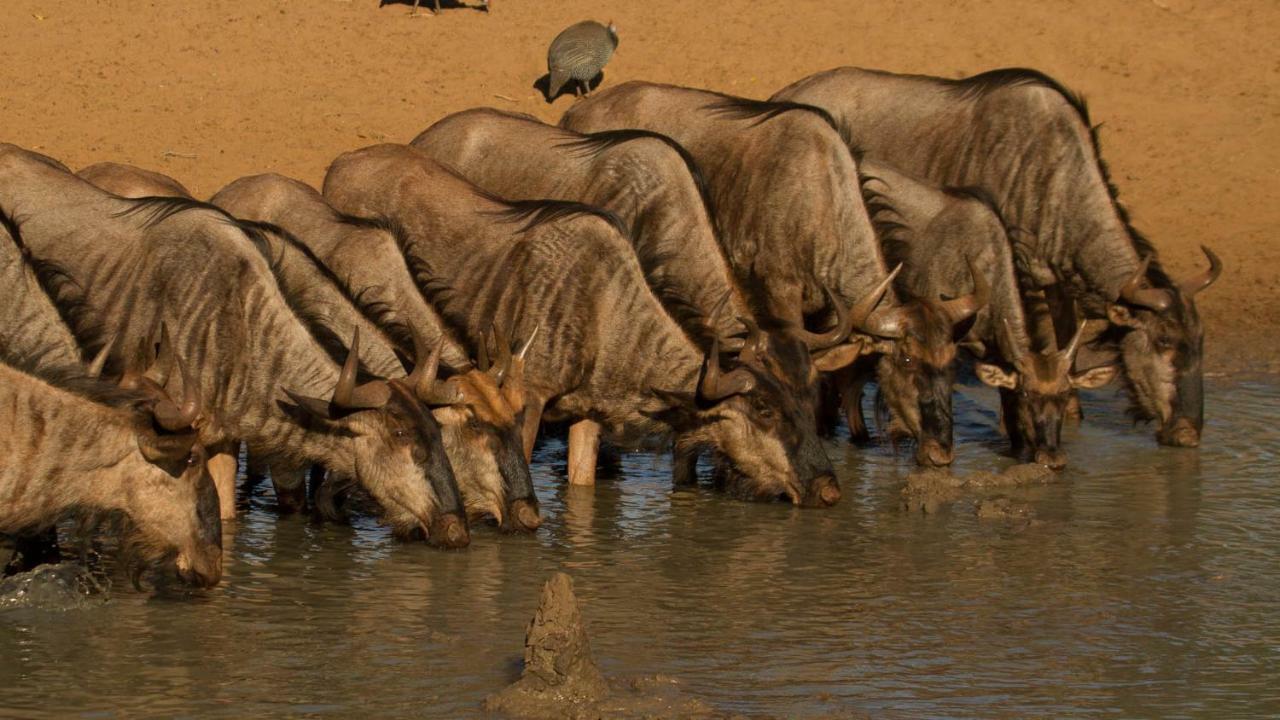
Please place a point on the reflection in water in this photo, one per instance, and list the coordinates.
(1147, 585)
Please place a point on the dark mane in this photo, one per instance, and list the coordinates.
(74, 381)
(982, 84)
(64, 293)
(335, 346)
(595, 143)
(764, 110)
(534, 213)
(157, 209)
(985, 83)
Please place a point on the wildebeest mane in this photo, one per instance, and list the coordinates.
(980, 85)
(64, 293)
(155, 209)
(595, 143)
(73, 380)
(763, 110)
(534, 213)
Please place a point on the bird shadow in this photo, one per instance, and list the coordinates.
(543, 85)
(428, 6)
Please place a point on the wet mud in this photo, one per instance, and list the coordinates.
(932, 490)
(65, 586)
(561, 680)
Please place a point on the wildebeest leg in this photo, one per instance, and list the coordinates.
(684, 468)
(531, 420)
(584, 445)
(222, 468)
(315, 479)
(255, 471)
(291, 488)
(30, 551)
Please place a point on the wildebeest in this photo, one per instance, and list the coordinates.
(72, 444)
(783, 185)
(1027, 140)
(952, 243)
(646, 179)
(607, 356)
(129, 265)
(482, 432)
(132, 182)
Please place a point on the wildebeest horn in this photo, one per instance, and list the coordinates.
(528, 343)
(754, 347)
(426, 363)
(834, 336)
(100, 360)
(502, 341)
(349, 397)
(176, 417)
(714, 387)
(1069, 355)
(1018, 349)
(482, 353)
(962, 308)
(1134, 294)
(885, 323)
(1202, 280)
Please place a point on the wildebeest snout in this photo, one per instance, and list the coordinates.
(1182, 433)
(449, 531)
(522, 516)
(824, 491)
(932, 453)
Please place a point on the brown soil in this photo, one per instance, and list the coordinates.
(210, 91)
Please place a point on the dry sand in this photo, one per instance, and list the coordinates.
(213, 90)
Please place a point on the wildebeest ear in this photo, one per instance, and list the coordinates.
(837, 357)
(1119, 315)
(995, 376)
(165, 449)
(315, 407)
(1094, 378)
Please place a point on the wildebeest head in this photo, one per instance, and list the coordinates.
(177, 518)
(764, 433)
(399, 455)
(1041, 385)
(482, 408)
(1162, 349)
(917, 371)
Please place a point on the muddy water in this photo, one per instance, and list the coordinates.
(1148, 584)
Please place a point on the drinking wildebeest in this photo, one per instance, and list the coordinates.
(481, 454)
(1026, 140)
(645, 179)
(72, 444)
(482, 433)
(608, 356)
(131, 264)
(783, 186)
(953, 243)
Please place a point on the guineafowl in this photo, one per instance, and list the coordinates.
(579, 53)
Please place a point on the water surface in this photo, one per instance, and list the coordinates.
(1148, 585)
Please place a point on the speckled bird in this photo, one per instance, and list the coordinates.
(579, 53)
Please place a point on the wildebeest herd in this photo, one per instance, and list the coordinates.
(670, 267)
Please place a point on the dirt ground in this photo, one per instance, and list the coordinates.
(213, 90)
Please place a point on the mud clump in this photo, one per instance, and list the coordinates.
(929, 490)
(1003, 508)
(561, 680)
(66, 586)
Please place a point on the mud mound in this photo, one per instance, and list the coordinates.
(561, 679)
(930, 490)
(66, 586)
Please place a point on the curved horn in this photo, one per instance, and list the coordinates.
(1069, 354)
(425, 366)
(349, 397)
(1018, 349)
(100, 360)
(1134, 293)
(885, 323)
(176, 417)
(754, 349)
(502, 340)
(528, 342)
(834, 336)
(713, 386)
(1202, 280)
(962, 308)
(482, 353)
